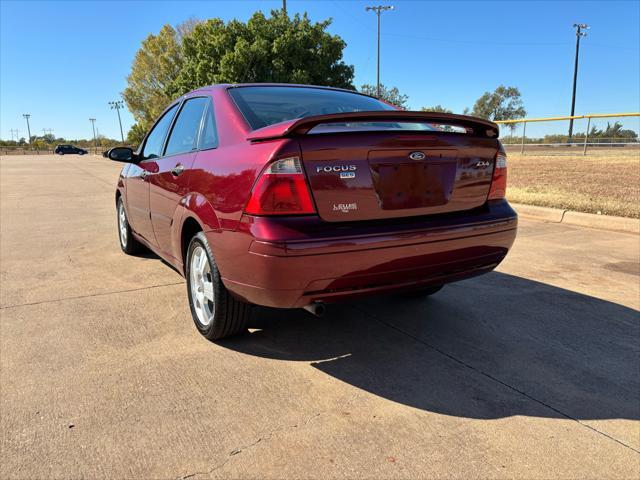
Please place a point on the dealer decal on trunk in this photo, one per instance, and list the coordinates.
(345, 207)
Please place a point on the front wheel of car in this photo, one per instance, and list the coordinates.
(216, 313)
(128, 243)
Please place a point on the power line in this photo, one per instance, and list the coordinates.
(477, 42)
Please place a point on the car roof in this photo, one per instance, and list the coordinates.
(226, 86)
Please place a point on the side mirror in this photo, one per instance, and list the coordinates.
(122, 154)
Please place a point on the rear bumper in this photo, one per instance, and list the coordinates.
(293, 262)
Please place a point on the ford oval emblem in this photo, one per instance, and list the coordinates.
(417, 156)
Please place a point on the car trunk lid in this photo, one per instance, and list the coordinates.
(376, 165)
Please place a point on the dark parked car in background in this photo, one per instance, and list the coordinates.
(69, 149)
(292, 196)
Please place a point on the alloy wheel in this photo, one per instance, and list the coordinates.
(201, 282)
(122, 224)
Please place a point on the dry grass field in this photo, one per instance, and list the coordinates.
(607, 183)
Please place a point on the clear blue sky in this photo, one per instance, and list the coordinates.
(63, 61)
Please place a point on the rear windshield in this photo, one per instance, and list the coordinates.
(263, 106)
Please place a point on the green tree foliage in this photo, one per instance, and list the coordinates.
(613, 132)
(155, 67)
(275, 49)
(390, 95)
(136, 134)
(436, 108)
(504, 103)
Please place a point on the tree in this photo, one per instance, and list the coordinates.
(185, 28)
(389, 95)
(156, 65)
(275, 49)
(503, 104)
(136, 134)
(436, 108)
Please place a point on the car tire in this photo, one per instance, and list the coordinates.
(424, 292)
(128, 242)
(215, 311)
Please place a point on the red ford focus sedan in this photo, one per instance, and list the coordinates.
(292, 196)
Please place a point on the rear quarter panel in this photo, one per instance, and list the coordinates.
(225, 175)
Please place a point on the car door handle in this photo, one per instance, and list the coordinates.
(177, 170)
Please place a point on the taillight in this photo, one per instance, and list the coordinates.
(281, 190)
(499, 180)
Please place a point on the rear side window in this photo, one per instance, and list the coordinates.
(184, 135)
(209, 136)
(262, 106)
(155, 140)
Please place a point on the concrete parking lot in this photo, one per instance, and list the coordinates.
(530, 372)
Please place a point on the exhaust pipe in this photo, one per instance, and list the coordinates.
(315, 308)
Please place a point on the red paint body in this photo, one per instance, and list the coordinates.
(398, 238)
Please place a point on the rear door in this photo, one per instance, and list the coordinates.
(136, 181)
(171, 180)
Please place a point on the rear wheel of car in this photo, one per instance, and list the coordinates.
(216, 313)
(128, 243)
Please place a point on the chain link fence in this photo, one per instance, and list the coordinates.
(592, 134)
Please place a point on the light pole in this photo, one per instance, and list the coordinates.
(27, 116)
(579, 33)
(379, 9)
(93, 126)
(117, 105)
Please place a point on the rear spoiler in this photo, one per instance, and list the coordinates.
(300, 126)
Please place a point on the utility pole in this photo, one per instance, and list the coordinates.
(27, 116)
(284, 6)
(579, 33)
(379, 9)
(17, 132)
(117, 105)
(93, 125)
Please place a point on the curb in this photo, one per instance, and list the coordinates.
(580, 219)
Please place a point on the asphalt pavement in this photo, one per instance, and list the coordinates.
(532, 371)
